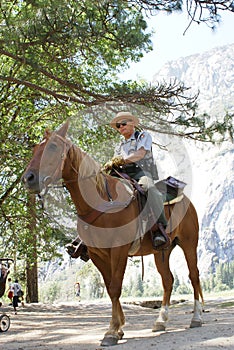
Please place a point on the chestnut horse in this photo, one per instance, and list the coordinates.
(108, 222)
(4, 271)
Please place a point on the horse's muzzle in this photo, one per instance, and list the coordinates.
(31, 181)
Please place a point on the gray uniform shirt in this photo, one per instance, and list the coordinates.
(132, 144)
(144, 166)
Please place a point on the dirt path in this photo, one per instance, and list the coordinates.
(82, 326)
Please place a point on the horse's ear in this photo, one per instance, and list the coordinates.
(47, 133)
(63, 130)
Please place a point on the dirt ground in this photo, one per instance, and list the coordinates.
(81, 326)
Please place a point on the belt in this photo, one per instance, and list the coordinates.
(131, 168)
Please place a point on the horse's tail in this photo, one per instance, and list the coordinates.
(201, 294)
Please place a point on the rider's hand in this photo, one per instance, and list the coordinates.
(115, 162)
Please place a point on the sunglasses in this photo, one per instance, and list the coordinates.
(123, 123)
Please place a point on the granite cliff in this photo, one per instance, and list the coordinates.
(212, 74)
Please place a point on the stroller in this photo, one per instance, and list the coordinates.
(4, 271)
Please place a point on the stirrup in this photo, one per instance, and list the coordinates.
(160, 239)
(162, 246)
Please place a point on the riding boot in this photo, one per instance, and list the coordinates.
(76, 251)
(160, 239)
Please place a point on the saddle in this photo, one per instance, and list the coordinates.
(171, 188)
(172, 191)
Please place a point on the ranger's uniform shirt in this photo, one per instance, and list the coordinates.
(145, 165)
(126, 147)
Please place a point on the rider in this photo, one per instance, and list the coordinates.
(136, 152)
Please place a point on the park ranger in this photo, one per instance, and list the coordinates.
(136, 151)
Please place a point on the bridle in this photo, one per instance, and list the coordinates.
(50, 180)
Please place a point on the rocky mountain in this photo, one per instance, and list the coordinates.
(212, 74)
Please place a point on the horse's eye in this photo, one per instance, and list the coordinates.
(52, 147)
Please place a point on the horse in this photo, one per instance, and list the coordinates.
(108, 222)
(4, 272)
(2, 285)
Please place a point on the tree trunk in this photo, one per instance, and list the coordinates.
(31, 258)
(32, 283)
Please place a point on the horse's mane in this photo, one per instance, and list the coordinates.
(87, 166)
(83, 163)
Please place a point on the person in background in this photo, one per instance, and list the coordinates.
(77, 290)
(10, 290)
(16, 287)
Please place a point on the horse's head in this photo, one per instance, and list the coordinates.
(47, 161)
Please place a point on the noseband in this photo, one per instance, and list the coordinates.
(51, 179)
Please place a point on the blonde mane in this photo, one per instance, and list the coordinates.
(87, 167)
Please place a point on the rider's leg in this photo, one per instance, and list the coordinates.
(155, 201)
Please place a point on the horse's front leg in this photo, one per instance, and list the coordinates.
(118, 317)
(161, 322)
(115, 332)
(118, 265)
(112, 267)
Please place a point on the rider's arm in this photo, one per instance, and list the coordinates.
(135, 156)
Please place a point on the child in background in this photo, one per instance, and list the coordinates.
(10, 290)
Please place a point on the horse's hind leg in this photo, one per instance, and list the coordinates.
(190, 254)
(162, 264)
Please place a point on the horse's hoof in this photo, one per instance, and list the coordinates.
(195, 324)
(110, 340)
(158, 328)
(120, 334)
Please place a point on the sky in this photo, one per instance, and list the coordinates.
(170, 42)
